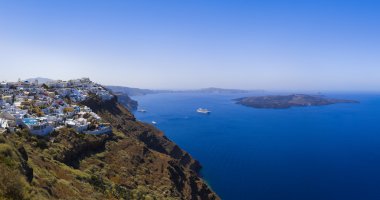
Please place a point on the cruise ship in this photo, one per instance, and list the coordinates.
(203, 111)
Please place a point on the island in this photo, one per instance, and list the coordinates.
(288, 101)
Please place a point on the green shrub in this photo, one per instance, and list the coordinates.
(121, 192)
(98, 183)
(12, 184)
(42, 144)
(2, 139)
(6, 155)
(23, 133)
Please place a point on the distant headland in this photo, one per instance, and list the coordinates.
(288, 101)
(211, 90)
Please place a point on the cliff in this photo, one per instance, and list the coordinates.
(125, 100)
(136, 161)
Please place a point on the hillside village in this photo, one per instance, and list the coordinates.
(43, 108)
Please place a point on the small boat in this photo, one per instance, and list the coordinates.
(142, 111)
(154, 122)
(203, 111)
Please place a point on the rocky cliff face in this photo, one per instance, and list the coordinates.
(125, 100)
(135, 162)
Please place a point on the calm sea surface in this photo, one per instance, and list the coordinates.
(321, 153)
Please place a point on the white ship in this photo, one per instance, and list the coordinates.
(142, 110)
(203, 111)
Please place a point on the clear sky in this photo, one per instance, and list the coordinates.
(182, 44)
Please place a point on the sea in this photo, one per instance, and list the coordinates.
(304, 153)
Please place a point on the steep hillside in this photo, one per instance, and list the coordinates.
(136, 161)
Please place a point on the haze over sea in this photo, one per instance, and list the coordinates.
(329, 152)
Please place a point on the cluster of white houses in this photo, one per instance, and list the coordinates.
(43, 108)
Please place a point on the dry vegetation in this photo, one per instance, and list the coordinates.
(135, 162)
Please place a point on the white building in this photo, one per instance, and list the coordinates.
(3, 123)
(100, 130)
(80, 125)
(37, 126)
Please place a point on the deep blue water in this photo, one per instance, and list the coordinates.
(321, 153)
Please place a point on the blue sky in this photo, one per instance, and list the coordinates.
(182, 44)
